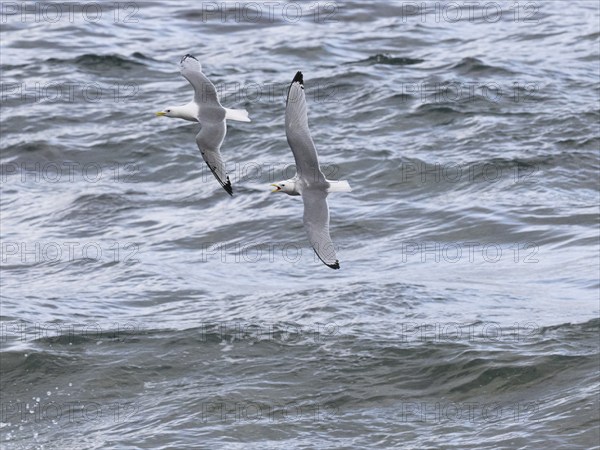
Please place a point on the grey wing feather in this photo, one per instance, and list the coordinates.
(298, 134)
(205, 93)
(316, 223)
(209, 141)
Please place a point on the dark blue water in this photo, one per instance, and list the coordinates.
(142, 307)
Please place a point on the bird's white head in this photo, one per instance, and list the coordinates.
(171, 111)
(187, 112)
(287, 186)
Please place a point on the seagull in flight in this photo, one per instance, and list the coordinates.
(206, 109)
(309, 181)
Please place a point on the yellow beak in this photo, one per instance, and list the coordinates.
(160, 113)
(277, 188)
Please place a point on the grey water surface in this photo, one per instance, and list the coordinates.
(144, 308)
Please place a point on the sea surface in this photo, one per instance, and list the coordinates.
(144, 308)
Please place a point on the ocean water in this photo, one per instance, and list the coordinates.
(144, 308)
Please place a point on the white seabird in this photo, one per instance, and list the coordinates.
(206, 109)
(309, 181)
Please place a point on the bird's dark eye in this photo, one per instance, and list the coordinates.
(282, 185)
(168, 110)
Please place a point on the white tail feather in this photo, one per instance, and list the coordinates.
(241, 115)
(339, 186)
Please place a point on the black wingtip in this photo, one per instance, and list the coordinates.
(228, 188)
(298, 78)
(335, 265)
(225, 185)
(188, 56)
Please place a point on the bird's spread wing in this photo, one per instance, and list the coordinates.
(316, 223)
(211, 116)
(205, 94)
(298, 134)
(209, 141)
